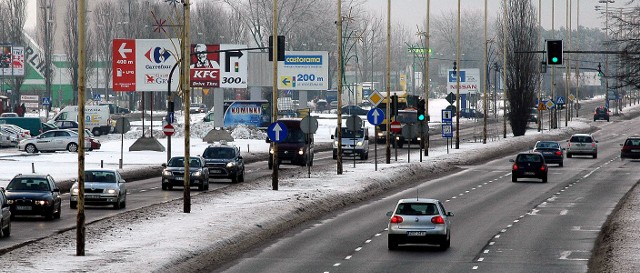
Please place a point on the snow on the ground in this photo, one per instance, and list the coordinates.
(158, 237)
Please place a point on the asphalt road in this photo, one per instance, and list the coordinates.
(499, 226)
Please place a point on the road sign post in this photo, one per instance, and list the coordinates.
(309, 126)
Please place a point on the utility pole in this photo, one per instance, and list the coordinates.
(274, 95)
(458, 82)
(388, 82)
(426, 76)
(184, 79)
(339, 91)
(485, 77)
(80, 227)
(504, 69)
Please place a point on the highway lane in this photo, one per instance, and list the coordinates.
(499, 226)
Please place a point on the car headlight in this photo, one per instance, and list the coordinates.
(418, 138)
(231, 164)
(111, 191)
(359, 144)
(397, 138)
(166, 173)
(74, 191)
(380, 134)
(271, 151)
(335, 143)
(42, 202)
(9, 201)
(197, 173)
(301, 151)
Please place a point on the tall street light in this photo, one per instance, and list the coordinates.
(504, 69)
(458, 82)
(486, 73)
(388, 82)
(339, 91)
(426, 75)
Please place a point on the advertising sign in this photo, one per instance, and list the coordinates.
(255, 113)
(11, 60)
(210, 68)
(144, 64)
(469, 81)
(304, 70)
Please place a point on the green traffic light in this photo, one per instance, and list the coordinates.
(554, 59)
(421, 117)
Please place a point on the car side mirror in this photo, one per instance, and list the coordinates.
(597, 141)
(123, 181)
(56, 190)
(240, 157)
(449, 213)
(389, 213)
(164, 165)
(333, 137)
(511, 160)
(621, 144)
(268, 140)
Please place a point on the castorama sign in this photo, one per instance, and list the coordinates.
(304, 70)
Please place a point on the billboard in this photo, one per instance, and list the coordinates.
(248, 112)
(469, 81)
(210, 68)
(11, 60)
(304, 70)
(145, 64)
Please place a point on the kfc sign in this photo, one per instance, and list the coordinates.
(144, 64)
(212, 68)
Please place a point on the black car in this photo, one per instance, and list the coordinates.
(471, 113)
(529, 165)
(173, 173)
(5, 215)
(224, 161)
(551, 151)
(67, 124)
(354, 110)
(631, 148)
(601, 113)
(34, 194)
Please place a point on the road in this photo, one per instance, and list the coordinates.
(499, 226)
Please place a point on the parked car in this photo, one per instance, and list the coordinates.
(173, 173)
(601, 113)
(9, 115)
(322, 105)
(101, 187)
(582, 144)
(630, 148)
(95, 143)
(354, 110)
(48, 126)
(224, 161)
(54, 140)
(529, 165)
(34, 194)
(13, 131)
(7, 140)
(67, 124)
(197, 108)
(33, 124)
(5, 215)
(24, 132)
(419, 221)
(551, 151)
(471, 113)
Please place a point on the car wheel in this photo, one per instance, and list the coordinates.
(206, 186)
(164, 187)
(96, 131)
(72, 147)
(544, 179)
(30, 148)
(569, 155)
(595, 155)
(124, 203)
(59, 212)
(241, 178)
(73, 205)
(561, 164)
(116, 205)
(446, 244)
(514, 178)
(49, 215)
(270, 164)
(5, 232)
(201, 186)
(335, 154)
(362, 156)
(392, 244)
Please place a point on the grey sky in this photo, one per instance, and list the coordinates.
(413, 12)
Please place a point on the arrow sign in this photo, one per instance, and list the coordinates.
(285, 81)
(277, 132)
(228, 55)
(375, 116)
(123, 50)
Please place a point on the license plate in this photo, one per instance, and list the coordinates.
(635, 151)
(348, 151)
(89, 196)
(416, 233)
(179, 178)
(286, 161)
(23, 208)
(529, 173)
(215, 171)
(547, 153)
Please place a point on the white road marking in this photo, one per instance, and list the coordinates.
(509, 226)
(336, 264)
(359, 248)
(486, 251)
(515, 221)
(564, 212)
(348, 257)
(497, 236)
(475, 267)
(534, 212)
(565, 256)
(503, 231)
(378, 234)
(480, 259)
(466, 191)
(367, 241)
(492, 243)
(143, 190)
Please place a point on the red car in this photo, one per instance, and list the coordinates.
(631, 148)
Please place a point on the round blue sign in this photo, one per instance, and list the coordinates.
(375, 116)
(277, 132)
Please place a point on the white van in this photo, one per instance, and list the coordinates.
(353, 143)
(97, 118)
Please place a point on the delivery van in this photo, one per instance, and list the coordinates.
(353, 143)
(97, 118)
(296, 148)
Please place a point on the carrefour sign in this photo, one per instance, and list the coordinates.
(144, 64)
(304, 70)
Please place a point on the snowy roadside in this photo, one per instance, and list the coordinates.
(162, 238)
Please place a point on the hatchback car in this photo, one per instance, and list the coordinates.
(224, 161)
(54, 140)
(582, 144)
(601, 113)
(101, 187)
(551, 151)
(197, 108)
(630, 148)
(354, 110)
(173, 173)
(5, 215)
(66, 124)
(34, 194)
(419, 221)
(529, 165)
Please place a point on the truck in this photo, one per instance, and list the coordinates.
(406, 116)
(97, 118)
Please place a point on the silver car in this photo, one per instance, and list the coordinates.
(54, 140)
(7, 140)
(419, 221)
(101, 187)
(582, 144)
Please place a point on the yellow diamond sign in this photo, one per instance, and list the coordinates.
(549, 104)
(572, 97)
(375, 98)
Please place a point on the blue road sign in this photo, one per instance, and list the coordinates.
(277, 132)
(375, 116)
(447, 130)
(171, 117)
(46, 101)
(447, 116)
(452, 76)
(97, 97)
(560, 100)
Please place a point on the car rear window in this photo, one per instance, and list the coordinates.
(632, 142)
(28, 184)
(417, 209)
(529, 158)
(548, 145)
(581, 139)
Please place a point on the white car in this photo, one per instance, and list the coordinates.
(419, 221)
(7, 140)
(54, 140)
(101, 187)
(16, 131)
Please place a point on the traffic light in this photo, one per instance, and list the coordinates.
(394, 105)
(280, 48)
(600, 70)
(421, 111)
(554, 52)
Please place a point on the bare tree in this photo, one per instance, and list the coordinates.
(45, 38)
(625, 30)
(71, 45)
(14, 10)
(522, 71)
(104, 29)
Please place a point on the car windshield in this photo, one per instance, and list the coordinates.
(528, 158)
(100, 176)
(28, 184)
(632, 142)
(407, 117)
(220, 153)
(417, 209)
(547, 145)
(296, 136)
(346, 133)
(179, 162)
(581, 139)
